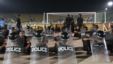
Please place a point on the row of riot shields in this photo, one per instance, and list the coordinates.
(66, 50)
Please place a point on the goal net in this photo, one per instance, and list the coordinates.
(59, 17)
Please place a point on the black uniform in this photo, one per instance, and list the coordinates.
(68, 22)
(19, 24)
(79, 22)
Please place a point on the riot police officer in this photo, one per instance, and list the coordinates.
(41, 38)
(98, 43)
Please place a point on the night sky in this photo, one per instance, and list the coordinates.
(38, 6)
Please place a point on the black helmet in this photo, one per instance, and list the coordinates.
(38, 34)
(100, 33)
(64, 35)
(28, 27)
(12, 37)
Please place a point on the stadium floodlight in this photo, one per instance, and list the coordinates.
(110, 3)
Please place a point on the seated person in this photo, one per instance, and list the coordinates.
(50, 30)
(23, 42)
(83, 30)
(94, 29)
(29, 32)
(77, 32)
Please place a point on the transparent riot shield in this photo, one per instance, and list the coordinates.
(66, 51)
(13, 53)
(39, 51)
(99, 51)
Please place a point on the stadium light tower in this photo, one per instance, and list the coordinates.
(110, 3)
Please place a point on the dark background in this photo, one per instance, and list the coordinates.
(39, 6)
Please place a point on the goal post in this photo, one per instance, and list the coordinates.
(59, 17)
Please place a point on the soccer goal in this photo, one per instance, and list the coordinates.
(59, 17)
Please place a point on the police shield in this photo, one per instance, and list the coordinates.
(13, 53)
(99, 48)
(66, 51)
(39, 51)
